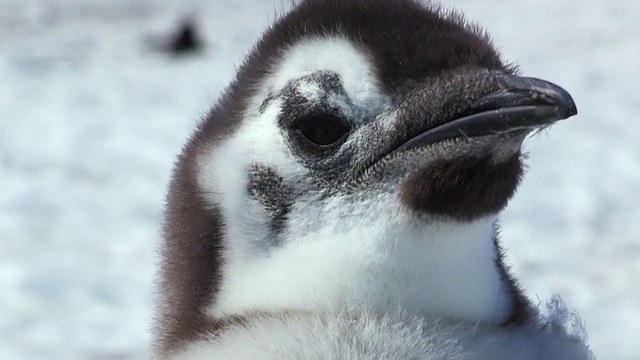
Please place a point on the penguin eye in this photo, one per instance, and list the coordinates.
(323, 130)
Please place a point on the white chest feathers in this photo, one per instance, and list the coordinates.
(393, 336)
(446, 269)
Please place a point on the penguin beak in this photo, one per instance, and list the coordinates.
(520, 103)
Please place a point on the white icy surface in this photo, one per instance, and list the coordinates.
(91, 119)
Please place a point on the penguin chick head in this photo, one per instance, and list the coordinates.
(362, 150)
(357, 102)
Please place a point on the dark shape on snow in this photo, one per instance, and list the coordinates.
(185, 40)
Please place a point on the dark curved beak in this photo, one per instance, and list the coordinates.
(520, 103)
(516, 91)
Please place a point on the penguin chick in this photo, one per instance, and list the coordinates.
(346, 188)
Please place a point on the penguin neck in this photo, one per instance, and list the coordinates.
(447, 268)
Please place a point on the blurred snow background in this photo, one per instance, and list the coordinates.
(91, 118)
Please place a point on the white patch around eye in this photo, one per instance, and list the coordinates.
(259, 140)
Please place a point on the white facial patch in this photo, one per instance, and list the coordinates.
(224, 178)
(259, 139)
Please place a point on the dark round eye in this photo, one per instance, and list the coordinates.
(322, 129)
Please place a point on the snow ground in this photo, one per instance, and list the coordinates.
(91, 119)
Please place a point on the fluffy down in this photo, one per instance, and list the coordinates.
(394, 336)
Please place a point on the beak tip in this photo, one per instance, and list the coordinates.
(573, 110)
(567, 108)
(546, 93)
(566, 105)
